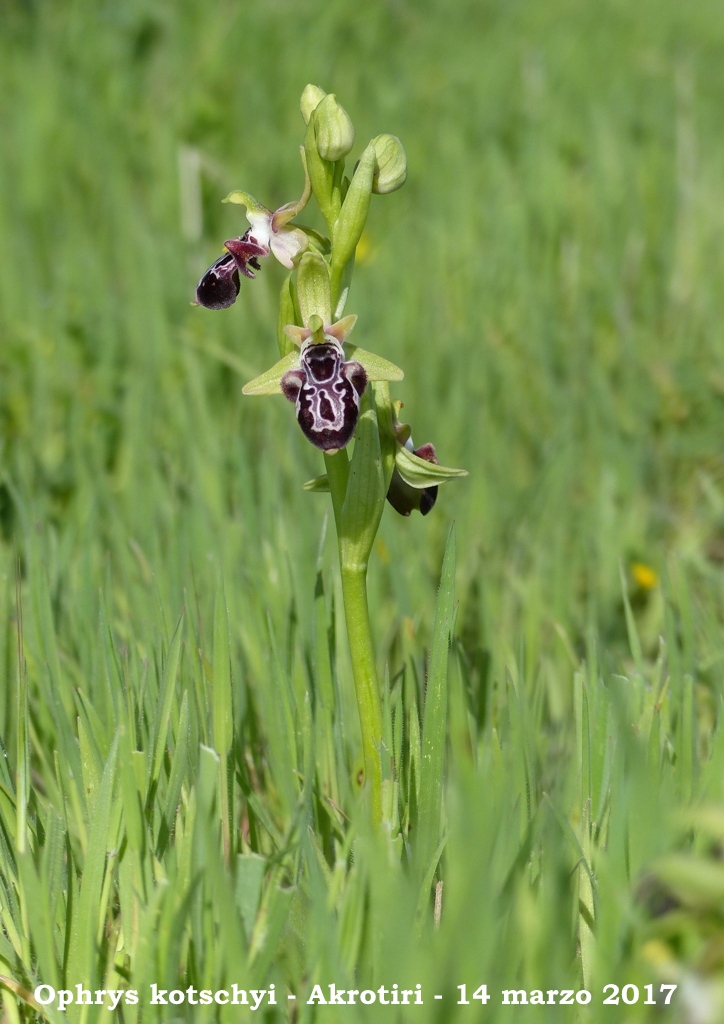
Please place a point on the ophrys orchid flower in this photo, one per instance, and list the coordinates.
(268, 234)
(417, 473)
(325, 377)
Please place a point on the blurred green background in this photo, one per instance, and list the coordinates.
(550, 279)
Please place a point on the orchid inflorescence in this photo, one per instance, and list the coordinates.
(340, 391)
(320, 372)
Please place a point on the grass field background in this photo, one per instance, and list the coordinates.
(551, 280)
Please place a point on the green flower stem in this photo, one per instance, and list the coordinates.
(354, 590)
(321, 289)
(362, 652)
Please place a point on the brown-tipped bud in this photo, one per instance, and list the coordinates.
(390, 165)
(311, 98)
(405, 498)
(335, 131)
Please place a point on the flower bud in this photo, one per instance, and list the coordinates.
(405, 498)
(335, 131)
(311, 98)
(390, 165)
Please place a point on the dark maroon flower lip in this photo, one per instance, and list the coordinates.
(404, 499)
(326, 391)
(220, 284)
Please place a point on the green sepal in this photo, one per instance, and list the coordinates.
(319, 485)
(420, 474)
(313, 288)
(375, 366)
(244, 199)
(269, 383)
(377, 369)
(287, 315)
(285, 213)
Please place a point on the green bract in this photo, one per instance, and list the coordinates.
(314, 293)
(353, 215)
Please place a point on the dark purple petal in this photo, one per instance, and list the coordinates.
(245, 250)
(426, 452)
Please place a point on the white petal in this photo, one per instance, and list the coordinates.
(287, 243)
(261, 227)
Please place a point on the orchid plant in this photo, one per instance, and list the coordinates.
(340, 391)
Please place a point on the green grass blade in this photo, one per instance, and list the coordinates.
(82, 960)
(222, 709)
(165, 703)
(40, 921)
(223, 718)
(179, 770)
(250, 868)
(434, 722)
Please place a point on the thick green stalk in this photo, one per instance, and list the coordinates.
(359, 635)
(320, 288)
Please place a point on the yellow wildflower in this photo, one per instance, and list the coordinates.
(644, 576)
(364, 253)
